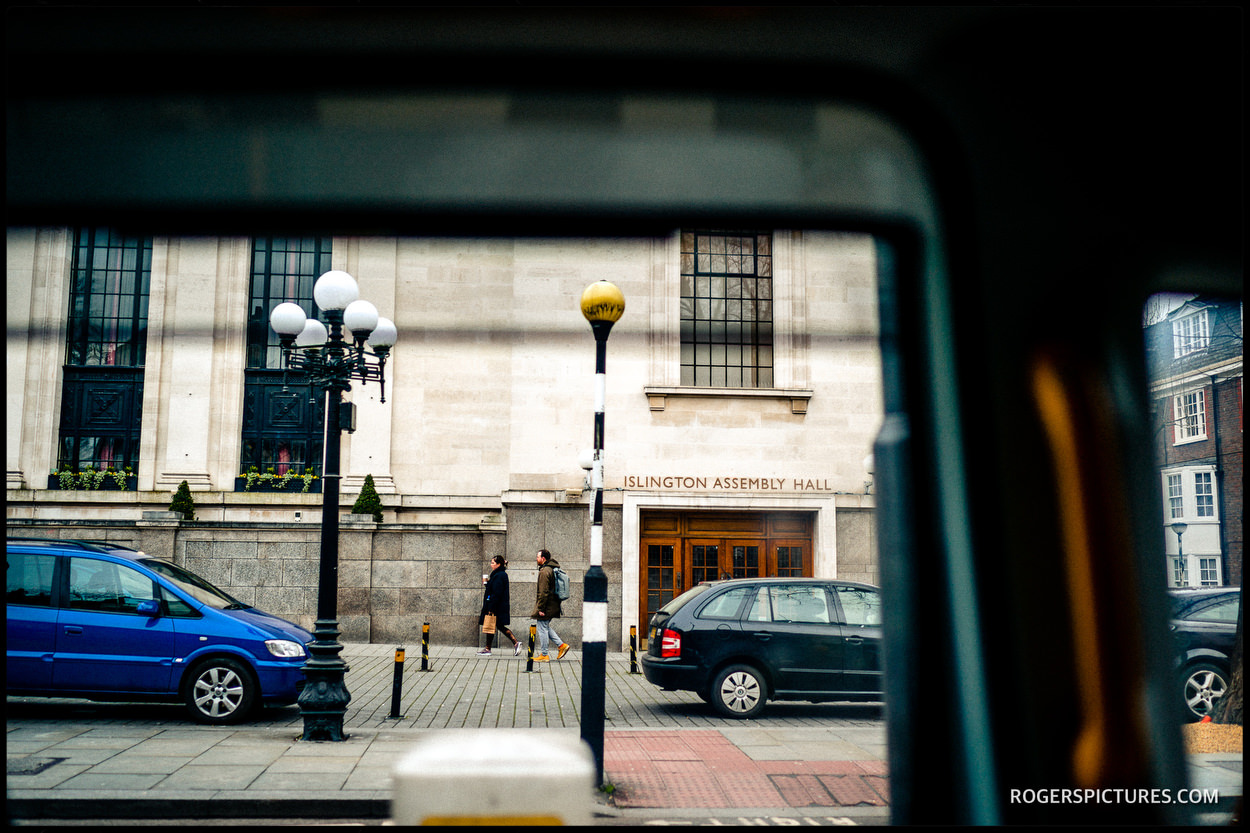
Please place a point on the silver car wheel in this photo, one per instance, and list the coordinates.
(1203, 686)
(220, 691)
(739, 692)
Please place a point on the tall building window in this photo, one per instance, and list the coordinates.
(1176, 496)
(282, 415)
(1190, 334)
(727, 309)
(1204, 495)
(106, 341)
(1190, 415)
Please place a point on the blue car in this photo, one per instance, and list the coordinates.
(106, 622)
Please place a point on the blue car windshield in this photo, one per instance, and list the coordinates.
(197, 588)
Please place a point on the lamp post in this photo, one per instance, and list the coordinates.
(331, 362)
(1179, 528)
(603, 305)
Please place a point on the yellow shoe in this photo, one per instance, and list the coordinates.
(564, 649)
(543, 658)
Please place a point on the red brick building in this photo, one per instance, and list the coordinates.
(1194, 355)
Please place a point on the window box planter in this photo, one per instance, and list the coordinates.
(268, 483)
(94, 484)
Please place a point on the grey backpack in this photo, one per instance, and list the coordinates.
(562, 583)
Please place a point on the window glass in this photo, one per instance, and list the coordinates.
(28, 579)
(727, 309)
(197, 588)
(860, 606)
(800, 603)
(760, 610)
(727, 604)
(175, 606)
(107, 587)
(1223, 611)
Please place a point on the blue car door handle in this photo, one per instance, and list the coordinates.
(854, 640)
(763, 636)
(73, 630)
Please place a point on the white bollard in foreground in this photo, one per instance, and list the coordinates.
(461, 777)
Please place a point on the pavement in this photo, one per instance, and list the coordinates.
(668, 759)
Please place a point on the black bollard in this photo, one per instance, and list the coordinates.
(397, 683)
(633, 649)
(425, 647)
(529, 655)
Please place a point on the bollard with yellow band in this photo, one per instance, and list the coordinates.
(425, 647)
(529, 655)
(397, 684)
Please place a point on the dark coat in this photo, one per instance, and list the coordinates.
(547, 601)
(495, 598)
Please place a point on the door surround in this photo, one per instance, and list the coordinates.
(822, 510)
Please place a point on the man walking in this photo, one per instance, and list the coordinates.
(547, 608)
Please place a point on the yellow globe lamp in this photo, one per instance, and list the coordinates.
(603, 304)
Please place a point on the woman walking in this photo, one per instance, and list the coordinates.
(495, 601)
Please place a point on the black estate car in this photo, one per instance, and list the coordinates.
(1204, 624)
(742, 642)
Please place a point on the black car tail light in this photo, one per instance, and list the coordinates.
(670, 643)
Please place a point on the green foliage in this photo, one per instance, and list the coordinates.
(183, 502)
(368, 503)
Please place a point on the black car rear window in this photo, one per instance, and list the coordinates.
(678, 601)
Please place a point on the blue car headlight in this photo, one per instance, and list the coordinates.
(284, 648)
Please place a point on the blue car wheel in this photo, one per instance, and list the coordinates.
(220, 690)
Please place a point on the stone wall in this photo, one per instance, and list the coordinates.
(392, 578)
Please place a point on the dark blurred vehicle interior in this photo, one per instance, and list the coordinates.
(1033, 175)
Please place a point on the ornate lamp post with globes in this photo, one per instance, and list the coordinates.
(602, 305)
(331, 362)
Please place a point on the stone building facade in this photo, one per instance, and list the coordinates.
(479, 446)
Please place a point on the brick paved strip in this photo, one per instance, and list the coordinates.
(701, 768)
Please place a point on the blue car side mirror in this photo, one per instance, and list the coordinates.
(149, 607)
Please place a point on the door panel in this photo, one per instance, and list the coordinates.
(861, 630)
(662, 577)
(102, 642)
(804, 643)
(704, 560)
(790, 558)
(745, 559)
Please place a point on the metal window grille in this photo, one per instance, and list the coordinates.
(106, 341)
(727, 309)
(283, 423)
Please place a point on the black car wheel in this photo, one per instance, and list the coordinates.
(220, 690)
(1203, 685)
(739, 691)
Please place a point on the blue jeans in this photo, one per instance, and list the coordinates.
(546, 633)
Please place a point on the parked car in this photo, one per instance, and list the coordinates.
(1204, 622)
(107, 622)
(742, 642)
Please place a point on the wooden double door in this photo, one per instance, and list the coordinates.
(682, 549)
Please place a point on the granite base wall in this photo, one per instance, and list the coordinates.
(392, 579)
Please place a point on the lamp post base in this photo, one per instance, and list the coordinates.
(324, 698)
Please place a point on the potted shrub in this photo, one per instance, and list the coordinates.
(183, 502)
(368, 503)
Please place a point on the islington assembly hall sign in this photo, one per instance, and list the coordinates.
(727, 484)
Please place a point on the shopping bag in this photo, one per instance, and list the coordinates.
(488, 623)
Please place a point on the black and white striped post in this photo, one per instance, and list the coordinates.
(602, 304)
